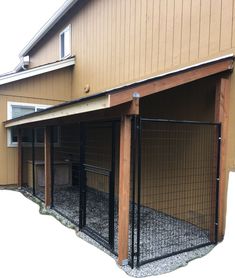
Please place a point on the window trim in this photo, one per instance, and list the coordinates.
(10, 105)
(67, 28)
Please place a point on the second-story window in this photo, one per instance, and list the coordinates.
(65, 42)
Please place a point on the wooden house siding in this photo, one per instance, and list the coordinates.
(51, 88)
(55, 85)
(117, 42)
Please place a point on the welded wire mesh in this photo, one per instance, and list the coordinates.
(27, 160)
(33, 161)
(39, 163)
(100, 182)
(65, 170)
(176, 209)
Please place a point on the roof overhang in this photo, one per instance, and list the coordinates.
(37, 71)
(48, 26)
(125, 94)
(65, 110)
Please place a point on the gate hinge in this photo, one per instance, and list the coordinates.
(219, 138)
(216, 224)
(218, 179)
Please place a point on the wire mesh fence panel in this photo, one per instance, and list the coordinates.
(27, 160)
(97, 201)
(65, 170)
(39, 163)
(100, 212)
(177, 204)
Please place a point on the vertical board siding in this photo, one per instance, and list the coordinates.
(233, 26)
(136, 41)
(162, 35)
(131, 65)
(156, 26)
(169, 33)
(127, 40)
(143, 35)
(204, 29)
(177, 32)
(51, 86)
(215, 26)
(118, 42)
(195, 30)
(186, 24)
(226, 24)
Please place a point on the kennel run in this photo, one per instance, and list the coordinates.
(78, 165)
(173, 205)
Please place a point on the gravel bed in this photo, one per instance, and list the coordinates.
(160, 234)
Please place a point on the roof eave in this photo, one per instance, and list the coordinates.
(124, 94)
(48, 26)
(16, 76)
(72, 108)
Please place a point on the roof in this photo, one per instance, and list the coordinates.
(123, 94)
(48, 26)
(8, 78)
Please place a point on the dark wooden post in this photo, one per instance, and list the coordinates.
(125, 179)
(20, 158)
(124, 189)
(222, 116)
(47, 157)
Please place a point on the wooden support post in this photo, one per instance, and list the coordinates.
(47, 157)
(221, 116)
(124, 189)
(20, 159)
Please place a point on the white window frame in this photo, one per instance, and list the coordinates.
(9, 116)
(67, 29)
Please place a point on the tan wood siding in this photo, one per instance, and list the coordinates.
(117, 42)
(52, 86)
(46, 52)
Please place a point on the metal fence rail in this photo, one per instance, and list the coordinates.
(174, 200)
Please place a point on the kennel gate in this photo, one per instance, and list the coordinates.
(98, 217)
(175, 183)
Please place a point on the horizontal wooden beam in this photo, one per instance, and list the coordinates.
(129, 108)
(56, 112)
(160, 84)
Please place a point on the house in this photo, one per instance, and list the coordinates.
(120, 116)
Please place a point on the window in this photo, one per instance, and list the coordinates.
(17, 109)
(65, 42)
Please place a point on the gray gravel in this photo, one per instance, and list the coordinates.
(168, 264)
(154, 268)
(166, 235)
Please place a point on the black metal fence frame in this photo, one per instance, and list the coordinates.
(33, 193)
(135, 249)
(84, 168)
(136, 185)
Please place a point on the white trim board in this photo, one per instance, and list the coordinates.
(72, 109)
(37, 71)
